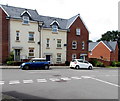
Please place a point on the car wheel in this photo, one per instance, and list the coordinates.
(90, 67)
(26, 67)
(77, 67)
(46, 67)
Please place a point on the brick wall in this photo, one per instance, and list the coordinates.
(114, 54)
(0, 36)
(100, 52)
(72, 36)
(4, 34)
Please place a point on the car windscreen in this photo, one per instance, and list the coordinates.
(79, 60)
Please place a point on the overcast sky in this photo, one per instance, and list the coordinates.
(99, 16)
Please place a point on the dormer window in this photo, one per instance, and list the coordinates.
(25, 20)
(54, 28)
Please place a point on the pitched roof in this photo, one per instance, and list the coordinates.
(15, 12)
(110, 45)
(48, 20)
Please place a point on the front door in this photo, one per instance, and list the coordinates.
(48, 57)
(17, 54)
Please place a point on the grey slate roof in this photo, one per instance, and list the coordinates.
(64, 23)
(48, 20)
(15, 12)
(111, 45)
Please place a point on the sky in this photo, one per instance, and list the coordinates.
(99, 16)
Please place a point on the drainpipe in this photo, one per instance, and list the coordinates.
(40, 45)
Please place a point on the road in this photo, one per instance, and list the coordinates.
(61, 83)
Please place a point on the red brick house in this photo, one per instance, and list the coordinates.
(104, 50)
(4, 36)
(77, 39)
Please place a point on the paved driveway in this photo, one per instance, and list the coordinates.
(60, 83)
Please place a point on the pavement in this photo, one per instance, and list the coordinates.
(53, 67)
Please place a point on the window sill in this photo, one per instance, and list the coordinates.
(17, 41)
(74, 49)
(31, 41)
(27, 24)
(47, 48)
(55, 32)
(58, 48)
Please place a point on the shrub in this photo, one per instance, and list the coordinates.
(11, 57)
(118, 64)
(114, 63)
(10, 62)
(99, 64)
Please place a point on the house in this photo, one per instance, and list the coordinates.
(104, 50)
(19, 33)
(53, 39)
(77, 39)
(28, 34)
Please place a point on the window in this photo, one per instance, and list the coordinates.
(74, 45)
(77, 31)
(31, 36)
(31, 52)
(17, 35)
(58, 43)
(73, 56)
(90, 52)
(54, 28)
(25, 20)
(83, 45)
(48, 43)
(58, 57)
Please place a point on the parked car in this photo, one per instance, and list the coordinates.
(78, 63)
(35, 63)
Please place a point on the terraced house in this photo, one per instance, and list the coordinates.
(28, 34)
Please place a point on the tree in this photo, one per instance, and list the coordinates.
(111, 36)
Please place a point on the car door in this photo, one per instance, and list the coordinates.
(85, 64)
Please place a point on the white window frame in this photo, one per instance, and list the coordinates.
(26, 20)
(17, 36)
(59, 58)
(31, 51)
(74, 44)
(31, 36)
(54, 28)
(78, 31)
(59, 43)
(47, 43)
(74, 56)
(83, 45)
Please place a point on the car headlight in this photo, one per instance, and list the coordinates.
(23, 64)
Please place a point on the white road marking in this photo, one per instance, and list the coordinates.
(86, 77)
(41, 80)
(2, 82)
(65, 78)
(54, 79)
(76, 78)
(105, 82)
(14, 82)
(27, 81)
